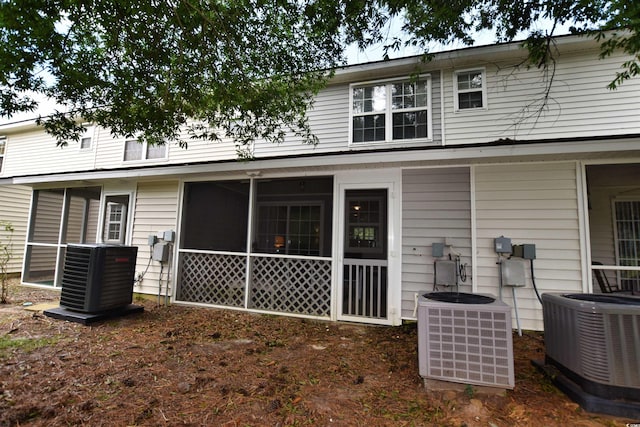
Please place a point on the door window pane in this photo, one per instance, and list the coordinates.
(366, 224)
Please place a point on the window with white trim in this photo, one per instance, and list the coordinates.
(627, 239)
(3, 143)
(470, 89)
(115, 219)
(86, 140)
(135, 150)
(392, 111)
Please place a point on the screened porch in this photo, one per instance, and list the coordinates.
(261, 245)
(613, 193)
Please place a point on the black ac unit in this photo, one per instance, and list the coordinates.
(98, 278)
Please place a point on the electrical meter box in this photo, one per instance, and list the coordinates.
(445, 272)
(526, 251)
(161, 252)
(502, 245)
(437, 250)
(169, 235)
(513, 272)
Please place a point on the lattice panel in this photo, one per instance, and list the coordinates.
(301, 286)
(212, 279)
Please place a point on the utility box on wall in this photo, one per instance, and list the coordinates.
(513, 272)
(161, 252)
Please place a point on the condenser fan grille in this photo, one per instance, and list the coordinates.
(470, 344)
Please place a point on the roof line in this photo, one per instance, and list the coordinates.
(502, 142)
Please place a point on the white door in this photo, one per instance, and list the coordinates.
(368, 288)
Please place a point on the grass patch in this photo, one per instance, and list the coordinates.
(8, 344)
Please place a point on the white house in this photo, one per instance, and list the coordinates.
(467, 152)
(14, 212)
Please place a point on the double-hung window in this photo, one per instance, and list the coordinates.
(86, 139)
(3, 143)
(135, 150)
(392, 111)
(115, 219)
(470, 90)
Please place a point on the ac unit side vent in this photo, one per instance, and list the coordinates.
(596, 340)
(98, 278)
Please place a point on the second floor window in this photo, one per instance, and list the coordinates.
(390, 111)
(86, 138)
(3, 142)
(134, 150)
(470, 88)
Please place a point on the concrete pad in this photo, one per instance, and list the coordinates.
(437, 385)
(41, 306)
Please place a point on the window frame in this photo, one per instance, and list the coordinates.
(125, 224)
(286, 246)
(389, 111)
(3, 150)
(622, 259)
(89, 133)
(482, 90)
(144, 152)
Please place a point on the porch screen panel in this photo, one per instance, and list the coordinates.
(216, 216)
(40, 265)
(627, 217)
(293, 216)
(42, 252)
(46, 216)
(82, 215)
(58, 216)
(213, 259)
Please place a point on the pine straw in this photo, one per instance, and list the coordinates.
(193, 366)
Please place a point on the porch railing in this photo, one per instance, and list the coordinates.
(365, 288)
(626, 277)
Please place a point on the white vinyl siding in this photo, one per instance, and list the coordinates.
(14, 208)
(35, 152)
(529, 203)
(329, 121)
(579, 104)
(436, 205)
(156, 209)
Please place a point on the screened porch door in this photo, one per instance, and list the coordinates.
(364, 290)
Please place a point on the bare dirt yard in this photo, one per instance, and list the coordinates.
(206, 367)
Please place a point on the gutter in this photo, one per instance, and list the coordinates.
(463, 153)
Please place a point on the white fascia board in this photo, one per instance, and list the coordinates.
(450, 58)
(460, 155)
(18, 127)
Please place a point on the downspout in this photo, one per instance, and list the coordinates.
(442, 114)
(583, 226)
(474, 230)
